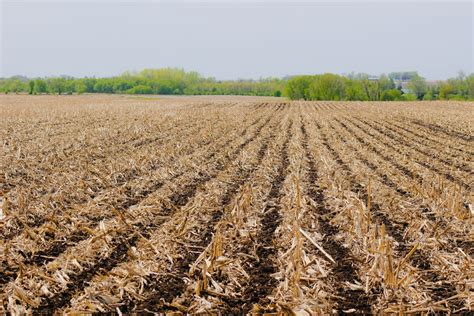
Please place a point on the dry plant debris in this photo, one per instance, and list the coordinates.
(235, 206)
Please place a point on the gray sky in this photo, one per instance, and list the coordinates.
(236, 39)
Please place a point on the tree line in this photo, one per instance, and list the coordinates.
(149, 81)
(362, 87)
(393, 87)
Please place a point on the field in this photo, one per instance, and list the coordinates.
(235, 205)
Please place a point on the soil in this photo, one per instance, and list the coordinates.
(344, 269)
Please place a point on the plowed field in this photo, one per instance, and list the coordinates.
(235, 205)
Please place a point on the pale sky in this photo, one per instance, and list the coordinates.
(236, 39)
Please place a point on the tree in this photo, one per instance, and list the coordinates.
(40, 86)
(375, 89)
(418, 86)
(429, 96)
(446, 89)
(141, 89)
(297, 87)
(16, 85)
(57, 85)
(386, 83)
(80, 87)
(69, 86)
(409, 97)
(354, 91)
(89, 83)
(327, 87)
(31, 85)
(317, 87)
(104, 85)
(371, 88)
(470, 86)
(391, 95)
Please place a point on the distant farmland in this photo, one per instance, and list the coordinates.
(235, 205)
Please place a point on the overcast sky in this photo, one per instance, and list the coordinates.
(236, 39)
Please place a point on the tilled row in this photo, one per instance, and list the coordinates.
(98, 144)
(444, 288)
(344, 270)
(188, 230)
(110, 242)
(380, 137)
(172, 286)
(443, 130)
(443, 215)
(32, 214)
(425, 147)
(123, 171)
(412, 146)
(428, 140)
(56, 242)
(224, 274)
(447, 294)
(299, 208)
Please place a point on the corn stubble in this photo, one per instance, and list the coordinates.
(235, 206)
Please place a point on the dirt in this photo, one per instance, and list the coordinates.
(422, 163)
(7, 274)
(399, 167)
(396, 231)
(344, 269)
(439, 143)
(79, 281)
(425, 210)
(121, 179)
(170, 285)
(414, 145)
(261, 283)
(133, 198)
(443, 130)
(374, 140)
(20, 227)
(120, 253)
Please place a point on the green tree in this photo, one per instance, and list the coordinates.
(386, 83)
(409, 97)
(446, 89)
(429, 96)
(57, 85)
(354, 91)
(80, 87)
(40, 86)
(418, 86)
(141, 89)
(391, 95)
(371, 88)
(31, 85)
(470, 86)
(297, 87)
(89, 83)
(327, 87)
(104, 85)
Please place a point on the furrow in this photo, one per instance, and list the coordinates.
(172, 285)
(344, 269)
(128, 239)
(418, 161)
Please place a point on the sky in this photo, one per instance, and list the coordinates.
(235, 39)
